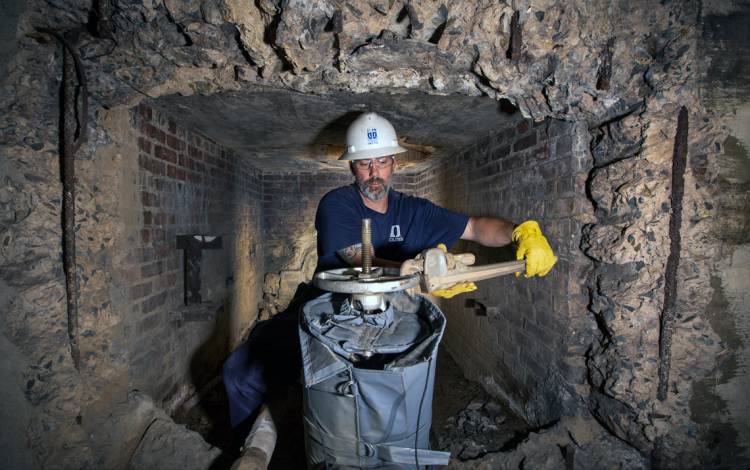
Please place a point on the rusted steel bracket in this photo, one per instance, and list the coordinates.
(73, 134)
(679, 163)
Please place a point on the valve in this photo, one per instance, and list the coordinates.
(366, 284)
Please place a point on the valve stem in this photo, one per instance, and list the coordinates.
(366, 246)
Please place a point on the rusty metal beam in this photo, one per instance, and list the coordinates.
(679, 163)
(72, 134)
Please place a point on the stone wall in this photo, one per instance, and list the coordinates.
(523, 338)
(189, 185)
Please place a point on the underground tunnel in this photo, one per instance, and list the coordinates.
(163, 164)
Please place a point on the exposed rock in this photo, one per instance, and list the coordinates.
(575, 442)
(167, 445)
(474, 431)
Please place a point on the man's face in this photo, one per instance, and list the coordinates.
(373, 176)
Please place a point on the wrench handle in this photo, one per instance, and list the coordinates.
(473, 273)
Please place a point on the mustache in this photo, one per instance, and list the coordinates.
(374, 179)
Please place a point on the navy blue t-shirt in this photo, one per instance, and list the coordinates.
(410, 225)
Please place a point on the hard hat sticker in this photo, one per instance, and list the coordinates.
(372, 136)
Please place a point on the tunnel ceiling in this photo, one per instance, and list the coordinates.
(288, 131)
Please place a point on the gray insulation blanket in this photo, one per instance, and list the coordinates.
(369, 382)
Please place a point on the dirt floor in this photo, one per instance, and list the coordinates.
(466, 420)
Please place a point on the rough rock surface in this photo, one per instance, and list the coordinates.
(575, 442)
(624, 68)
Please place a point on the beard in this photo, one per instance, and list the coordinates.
(374, 194)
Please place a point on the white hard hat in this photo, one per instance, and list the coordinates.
(370, 136)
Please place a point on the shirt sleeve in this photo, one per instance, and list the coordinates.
(442, 225)
(337, 224)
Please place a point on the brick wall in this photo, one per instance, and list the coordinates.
(188, 184)
(521, 336)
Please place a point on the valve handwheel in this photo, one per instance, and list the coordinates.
(367, 284)
(354, 281)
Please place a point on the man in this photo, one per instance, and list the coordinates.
(402, 226)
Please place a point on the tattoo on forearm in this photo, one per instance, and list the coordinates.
(351, 254)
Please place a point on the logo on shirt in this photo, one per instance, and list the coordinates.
(372, 136)
(395, 235)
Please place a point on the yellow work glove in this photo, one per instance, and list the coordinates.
(533, 247)
(455, 289)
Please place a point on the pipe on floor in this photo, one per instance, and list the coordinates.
(259, 445)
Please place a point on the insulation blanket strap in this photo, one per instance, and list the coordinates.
(370, 412)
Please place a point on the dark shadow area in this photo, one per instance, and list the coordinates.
(207, 412)
(333, 133)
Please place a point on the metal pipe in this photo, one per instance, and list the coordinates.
(260, 443)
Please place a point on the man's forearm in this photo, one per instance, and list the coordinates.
(352, 255)
(489, 231)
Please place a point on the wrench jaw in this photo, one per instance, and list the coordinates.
(437, 263)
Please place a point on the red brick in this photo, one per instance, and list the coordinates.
(158, 235)
(523, 126)
(145, 235)
(165, 154)
(144, 145)
(140, 290)
(147, 217)
(172, 126)
(162, 250)
(149, 199)
(152, 269)
(174, 142)
(155, 133)
(153, 302)
(149, 164)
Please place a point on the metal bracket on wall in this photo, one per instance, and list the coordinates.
(193, 245)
